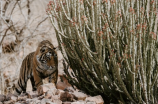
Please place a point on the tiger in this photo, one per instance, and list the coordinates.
(38, 65)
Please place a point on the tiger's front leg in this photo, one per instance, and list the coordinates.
(37, 80)
(53, 77)
(33, 84)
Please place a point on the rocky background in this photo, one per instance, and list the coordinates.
(23, 24)
(49, 94)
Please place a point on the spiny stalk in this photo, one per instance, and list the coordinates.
(110, 46)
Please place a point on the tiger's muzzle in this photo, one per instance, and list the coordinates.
(42, 63)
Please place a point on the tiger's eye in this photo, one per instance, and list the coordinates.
(42, 50)
(50, 53)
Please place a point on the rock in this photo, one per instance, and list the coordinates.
(51, 91)
(37, 101)
(17, 103)
(14, 98)
(22, 97)
(66, 96)
(70, 97)
(69, 89)
(50, 102)
(23, 102)
(66, 102)
(57, 101)
(61, 85)
(63, 96)
(8, 97)
(41, 97)
(79, 95)
(9, 102)
(55, 97)
(54, 91)
(48, 97)
(33, 101)
(32, 94)
(29, 100)
(11, 96)
(78, 102)
(98, 99)
(91, 102)
(2, 98)
(46, 101)
(43, 101)
(44, 88)
(58, 92)
(65, 80)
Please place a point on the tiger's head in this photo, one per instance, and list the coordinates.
(46, 56)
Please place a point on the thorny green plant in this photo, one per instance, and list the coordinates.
(110, 45)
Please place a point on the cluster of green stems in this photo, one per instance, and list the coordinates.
(110, 46)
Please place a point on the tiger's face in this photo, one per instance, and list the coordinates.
(46, 56)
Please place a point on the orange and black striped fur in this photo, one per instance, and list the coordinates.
(38, 65)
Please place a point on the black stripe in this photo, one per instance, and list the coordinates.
(38, 71)
(32, 82)
(24, 70)
(41, 74)
(38, 83)
(17, 90)
(45, 57)
(28, 67)
(23, 87)
(39, 67)
(19, 83)
(28, 61)
(53, 72)
(42, 56)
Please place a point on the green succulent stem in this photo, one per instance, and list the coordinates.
(111, 47)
